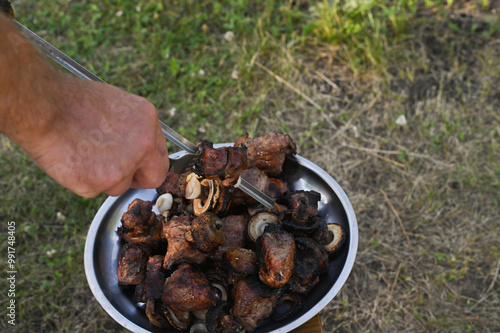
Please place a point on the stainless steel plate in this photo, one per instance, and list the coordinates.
(103, 244)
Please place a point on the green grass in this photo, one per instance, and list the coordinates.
(334, 75)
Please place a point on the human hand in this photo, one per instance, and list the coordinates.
(101, 139)
(90, 137)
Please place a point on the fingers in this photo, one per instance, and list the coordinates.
(154, 166)
(119, 188)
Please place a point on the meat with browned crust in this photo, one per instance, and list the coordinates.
(311, 260)
(188, 289)
(253, 302)
(224, 163)
(174, 184)
(234, 233)
(179, 249)
(258, 179)
(140, 225)
(206, 232)
(303, 204)
(212, 162)
(132, 265)
(267, 152)
(155, 277)
(275, 253)
(241, 260)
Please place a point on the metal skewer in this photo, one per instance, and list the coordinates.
(72, 66)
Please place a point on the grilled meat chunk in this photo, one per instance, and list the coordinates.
(140, 293)
(253, 302)
(311, 259)
(152, 286)
(273, 187)
(188, 289)
(275, 253)
(299, 228)
(236, 162)
(219, 319)
(179, 249)
(206, 232)
(267, 152)
(155, 277)
(234, 234)
(212, 162)
(140, 225)
(277, 188)
(303, 204)
(132, 265)
(224, 163)
(174, 184)
(241, 260)
(257, 178)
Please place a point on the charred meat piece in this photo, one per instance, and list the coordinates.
(275, 253)
(308, 248)
(140, 292)
(219, 319)
(225, 162)
(132, 265)
(188, 289)
(216, 273)
(273, 187)
(267, 152)
(236, 162)
(155, 277)
(322, 235)
(234, 234)
(174, 184)
(241, 260)
(277, 188)
(299, 228)
(212, 162)
(140, 225)
(303, 204)
(179, 249)
(253, 302)
(206, 232)
(257, 178)
(152, 286)
(311, 259)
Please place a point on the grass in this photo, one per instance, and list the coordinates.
(335, 75)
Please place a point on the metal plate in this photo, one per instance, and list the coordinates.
(103, 244)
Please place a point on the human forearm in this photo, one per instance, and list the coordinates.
(26, 85)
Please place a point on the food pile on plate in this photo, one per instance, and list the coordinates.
(210, 258)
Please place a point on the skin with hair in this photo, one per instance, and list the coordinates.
(88, 136)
